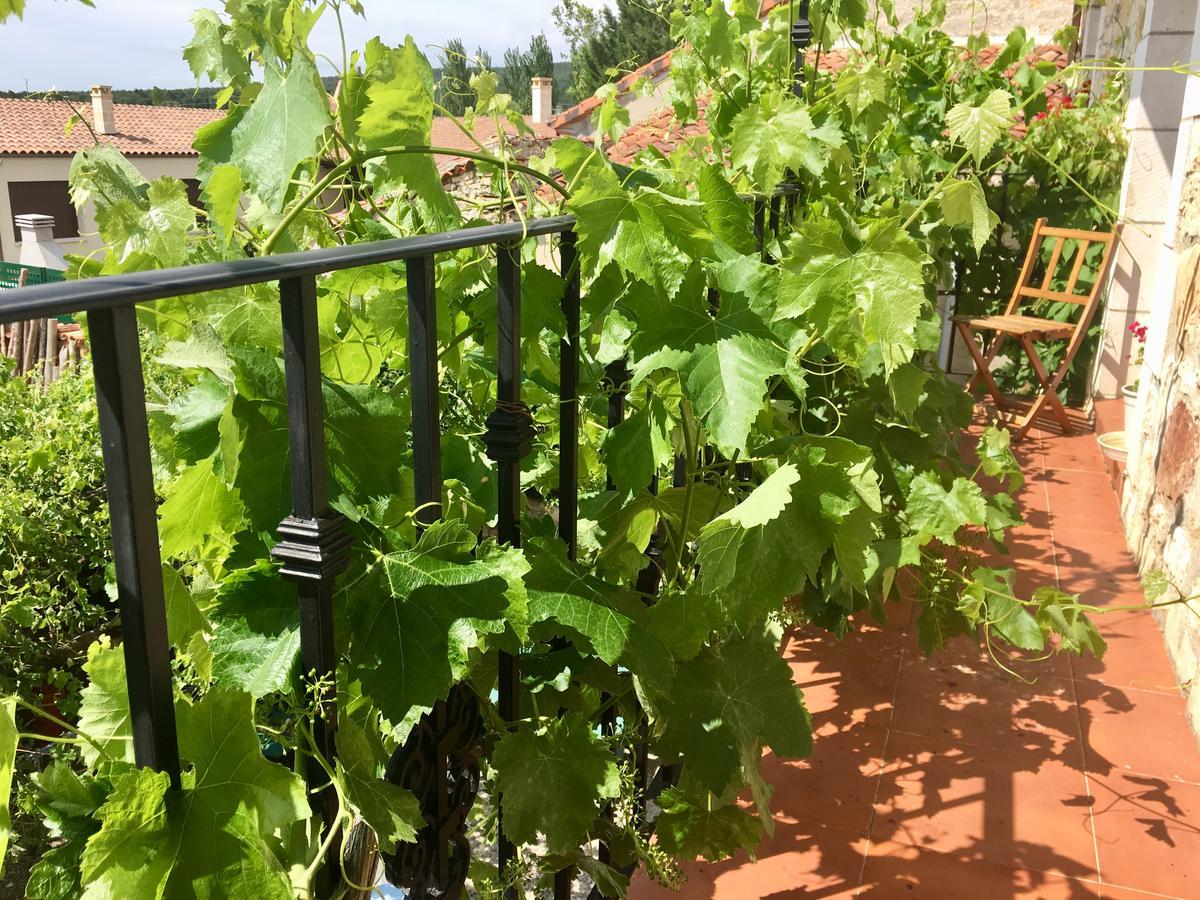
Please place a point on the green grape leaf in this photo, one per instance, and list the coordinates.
(865, 297)
(206, 840)
(280, 130)
(964, 203)
(723, 361)
(941, 621)
(8, 756)
(934, 512)
(223, 194)
(727, 704)
(639, 446)
(201, 516)
(761, 552)
(977, 128)
(608, 618)
(104, 710)
(552, 780)
(393, 812)
(767, 145)
(213, 52)
(688, 828)
(728, 215)
(1059, 612)
(996, 458)
(413, 639)
(256, 639)
(1156, 585)
(144, 224)
(990, 599)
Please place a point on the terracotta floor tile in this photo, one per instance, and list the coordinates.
(1127, 730)
(799, 861)
(1011, 808)
(975, 704)
(1077, 452)
(1134, 658)
(836, 785)
(896, 870)
(1112, 892)
(1148, 833)
(1082, 500)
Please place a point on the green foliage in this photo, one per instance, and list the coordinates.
(813, 450)
(55, 522)
(521, 66)
(604, 40)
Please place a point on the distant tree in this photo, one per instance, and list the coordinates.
(483, 61)
(603, 38)
(521, 66)
(454, 87)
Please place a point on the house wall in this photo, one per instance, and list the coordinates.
(641, 105)
(1152, 122)
(1161, 490)
(57, 168)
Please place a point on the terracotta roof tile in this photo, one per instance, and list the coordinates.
(447, 134)
(655, 67)
(35, 128)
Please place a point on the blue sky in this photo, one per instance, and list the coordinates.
(136, 43)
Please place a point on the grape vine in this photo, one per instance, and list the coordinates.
(821, 466)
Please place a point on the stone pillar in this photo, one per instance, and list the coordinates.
(39, 249)
(1155, 108)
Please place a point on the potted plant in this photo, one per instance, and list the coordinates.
(1130, 391)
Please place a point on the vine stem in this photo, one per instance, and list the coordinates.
(341, 168)
(50, 717)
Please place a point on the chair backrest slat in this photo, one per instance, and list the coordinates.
(1025, 288)
(1052, 266)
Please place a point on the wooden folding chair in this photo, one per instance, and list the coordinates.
(1026, 329)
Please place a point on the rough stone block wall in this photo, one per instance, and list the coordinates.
(1041, 18)
(1162, 495)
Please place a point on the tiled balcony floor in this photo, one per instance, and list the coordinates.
(946, 778)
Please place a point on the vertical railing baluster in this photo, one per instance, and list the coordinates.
(313, 545)
(125, 438)
(760, 238)
(423, 386)
(568, 399)
(509, 438)
(568, 440)
(773, 222)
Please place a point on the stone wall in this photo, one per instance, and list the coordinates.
(1161, 492)
(1041, 18)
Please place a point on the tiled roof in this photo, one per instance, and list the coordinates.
(447, 134)
(663, 133)
(660, 131)
(35, 128)
(652, 69)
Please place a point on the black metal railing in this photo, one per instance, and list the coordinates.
(440, 759)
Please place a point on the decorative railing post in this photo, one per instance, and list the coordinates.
(509, 439)
(125, 437)
(439, 761)
(313, 544)
(568, 398)
(802, 35)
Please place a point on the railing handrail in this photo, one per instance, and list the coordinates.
(112, 291)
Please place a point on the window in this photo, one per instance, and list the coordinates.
(50, 198)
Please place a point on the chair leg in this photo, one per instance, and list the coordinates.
(993, 351)
(981, 363)
(1048, 395)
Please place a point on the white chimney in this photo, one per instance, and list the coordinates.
(39, 249)
(543, 100)
(103, 119)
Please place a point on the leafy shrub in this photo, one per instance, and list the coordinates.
(54, 521)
